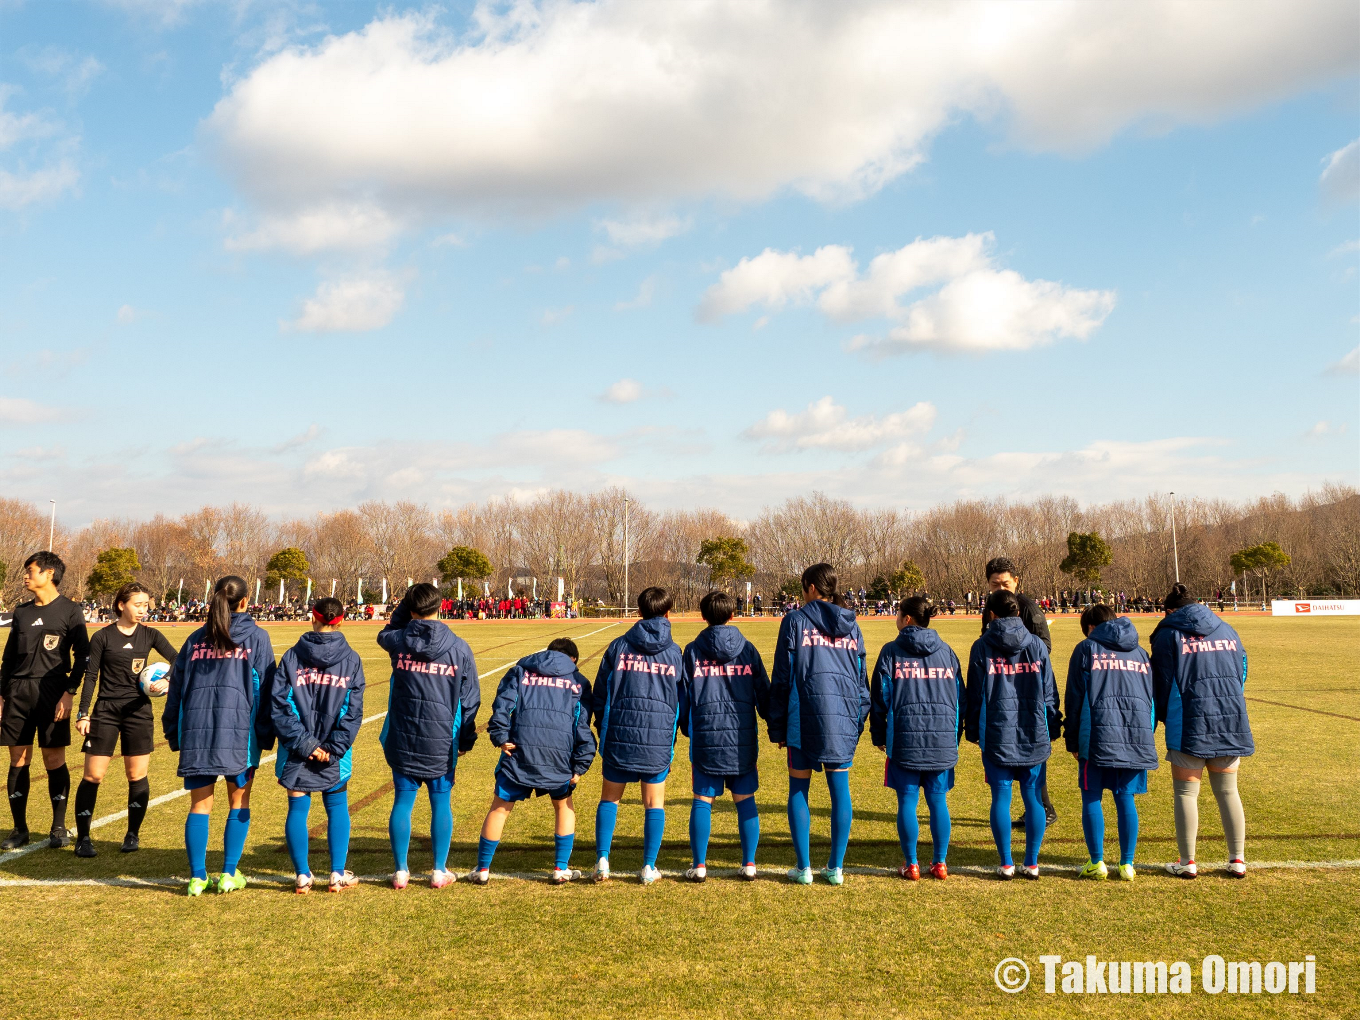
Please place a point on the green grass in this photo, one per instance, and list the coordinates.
(876, 947)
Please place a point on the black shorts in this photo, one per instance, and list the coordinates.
(133, 720)
(29, 712)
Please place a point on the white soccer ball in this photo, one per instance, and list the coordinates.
(152, 680)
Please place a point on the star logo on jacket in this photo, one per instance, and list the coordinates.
(137, 664)
(50, 641)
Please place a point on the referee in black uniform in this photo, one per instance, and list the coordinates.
(40, 672)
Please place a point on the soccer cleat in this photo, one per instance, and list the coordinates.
(342, 880)
(697, 873)
(561, 876)
(938, 870)
(1126, 873)
(304, 885)
(231, 883)
(15, 839)
(648, 874)
(1006, 872)
(479, 876)
(910, 871)
(1031, 872)
(131, 844)
(439, 879)
(1050, 816)
(1094, 869)
(802, 876)
(400, 879)
(834, 875)
(58, 837)
(196, 887)
(1182, 870)
(1018, 824)
(85, 848)
(1237, 868)
(748, 872)
(602, 870)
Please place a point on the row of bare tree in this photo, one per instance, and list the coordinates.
(580, 538)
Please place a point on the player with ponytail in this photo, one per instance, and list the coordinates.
(217, 717)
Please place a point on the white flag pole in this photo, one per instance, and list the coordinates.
(359, 595)
(257, 591)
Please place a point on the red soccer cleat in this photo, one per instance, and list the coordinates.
(938, 870)
(911, 872)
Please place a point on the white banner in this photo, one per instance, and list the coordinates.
(1315, 607)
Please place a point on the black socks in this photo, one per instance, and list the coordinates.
(86, 794)
(139, 793)
(17, 787)
(59, 788)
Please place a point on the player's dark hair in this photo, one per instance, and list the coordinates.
(227, 595)
(126, 592)
(653, 602)
(717, 608)
(1002, 604)
(1093, 616)
(822, 577)
(1001, 565)
(328, 608)
(919, 609)
(425, 599)
(1178, 596)
(566, 646)
(48, 561)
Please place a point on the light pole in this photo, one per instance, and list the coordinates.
(1175, 549)
(52, 524)
(625, 555)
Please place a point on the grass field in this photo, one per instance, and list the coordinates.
(876, 947)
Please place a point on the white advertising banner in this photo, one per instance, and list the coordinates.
(1315, 607)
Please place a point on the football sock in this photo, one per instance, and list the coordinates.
(1126, 811)
(800, 821)
(908, 828)
(1036, 821)
(1001, 820)
(86, 795)
(139, 795)
(196, 844)
(700, 826)
(399, 825)
(234, 839)
(1224, 785)
(336, 803)
(486, 849)
(441, 827)
(295, 832)
(606, 817)
(842, 811)
(58, 789)
(1093, 823)
(562, 850)
(653, 828)
(938, 803)
(748, 826)
(1187, 817)
(17, 787)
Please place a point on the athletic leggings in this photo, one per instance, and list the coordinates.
(909, 829)
(1093, 824)
(1035, 820)
(441, 818)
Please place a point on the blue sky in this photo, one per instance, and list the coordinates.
(306, 255)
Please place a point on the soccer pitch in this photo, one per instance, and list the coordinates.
(879, 946)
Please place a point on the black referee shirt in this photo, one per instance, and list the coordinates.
(117, 660)
(46, 643)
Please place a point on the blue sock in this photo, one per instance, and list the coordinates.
(295, 832)
(1093, 824)
(938, 803)
(908, 828)
(1036, 821)
(800, 821)
(841, 814)
(700, 826)
(1127, 813)
(337, 827)
(196, 844)
(1001, 820)
(441, 827)
(748, 825)
(234, 839)
(606, 817)
(562, 850)
(653, 828)
(486, 849)
(399, 826)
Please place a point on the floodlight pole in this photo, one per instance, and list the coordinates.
(1175, 549)
(625, 555)
(52, 524)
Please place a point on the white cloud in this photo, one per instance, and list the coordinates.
(646, 290)
(980, 307)
(1344, 248)
(552, 316)
(825, 425)
(20, 189)
(22, 411)
(335, 226)
(355, 304)
(1340, 180)
(167, 12)
(641, 230)
(75, 72)
(48, 144)
(1348, 365)
(128, 315)
(625, 391)
(1325, 428)
(562, 104)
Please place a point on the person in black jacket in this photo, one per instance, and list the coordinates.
(1002, 576)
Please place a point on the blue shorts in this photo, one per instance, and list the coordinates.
(800, 762)
(614, 775)
(1025, 775)
(238, 781)
(403, 783)
(712, 786)
(898, 778)
(1103, 777)
(513, 792)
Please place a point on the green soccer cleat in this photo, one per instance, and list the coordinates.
(800, 876)
(1126, 872)
(1094, 869)
(196, 887)
(231, 883)
(834, 875)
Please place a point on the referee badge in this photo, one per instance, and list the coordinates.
(137, 665)
(50, 641)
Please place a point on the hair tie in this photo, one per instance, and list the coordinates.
(316, 615)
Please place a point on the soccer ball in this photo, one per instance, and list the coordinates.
(152, 680)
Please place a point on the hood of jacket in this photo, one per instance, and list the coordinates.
(1119, 634)
(830, 618)
(650, 636)
(1196, 618)
(322, 651)
(549, 664)
(722, 643)
(919, 641)
(241, 625)
(1008, 634)
(427, 639)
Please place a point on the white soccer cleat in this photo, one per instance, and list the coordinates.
(1237, 869)
(697, 873)
(561, 876)
(648, 874)
(1006, 872)
(342, 880)
(440, 879)
(602, 870)
(400, 879)
(304, 885)
(748, 871)
(479, 876)
(1182, 870)
(1030, 871)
